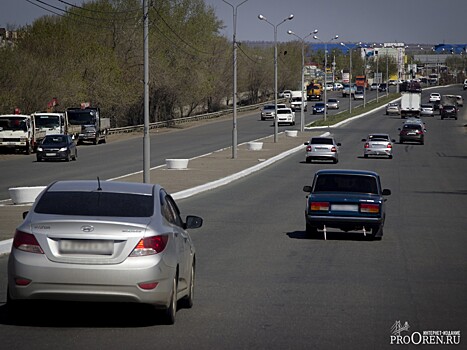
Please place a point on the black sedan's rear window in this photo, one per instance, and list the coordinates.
(95, 204)
(321, 141)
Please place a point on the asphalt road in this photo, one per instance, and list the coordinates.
(263, 284)
(118, 158)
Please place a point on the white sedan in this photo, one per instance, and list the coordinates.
(285, 116)
(435, 96)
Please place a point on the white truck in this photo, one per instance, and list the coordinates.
(55, 123)
(18, 132)
(410, 104)
(296, 100)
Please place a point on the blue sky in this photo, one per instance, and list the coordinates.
(408, 21)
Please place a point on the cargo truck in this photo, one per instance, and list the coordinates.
(55, 123)
(18, 132)
(94, 128)
(314, 91)
(410, 104)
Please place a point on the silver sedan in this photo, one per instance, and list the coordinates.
(378, 145)
(104, 242)
(322, 148)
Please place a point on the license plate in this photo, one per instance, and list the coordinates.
(78, 246)
(344, 207)
(50, 154)
(411, 133)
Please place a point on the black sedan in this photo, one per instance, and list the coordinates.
(58, 147)
(349, 200)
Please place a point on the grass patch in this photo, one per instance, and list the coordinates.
(370, 105)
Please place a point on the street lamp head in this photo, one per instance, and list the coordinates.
(290, 32)
(315, 31)
(315, 37)
(342, 44)
(336, 37)
(290, 17)
(261, 17)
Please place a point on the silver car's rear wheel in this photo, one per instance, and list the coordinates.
(170, 312)
(187, 302)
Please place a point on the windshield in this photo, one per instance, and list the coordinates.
(47, 121)
(54, 140)
(13, 124)
(82, 117)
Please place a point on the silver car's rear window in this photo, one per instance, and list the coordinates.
(95, 203)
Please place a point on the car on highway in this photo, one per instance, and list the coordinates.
(460, 101)
(348, 90)
(393, 82)
(285, 116)
(378, 145)
(412, 131)
(329, 86)
(322, 148)
(103, 241)
(393, 108)
(434, 96)
(333, 103)
(374, 86)
(382, 87)
(338, 86)
(448, 111)
(465, 84)
(268, 111)
(349, 200)
(57, 147)
(318, 108)
(359, 95)
(427, 109)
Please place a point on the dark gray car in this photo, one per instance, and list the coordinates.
(57, 147)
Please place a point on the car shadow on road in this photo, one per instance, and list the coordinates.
(81, 315)
(331, 236)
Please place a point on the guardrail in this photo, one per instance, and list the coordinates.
(178, 121)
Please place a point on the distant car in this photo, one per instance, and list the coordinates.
(378, 145)
(449, 111)
(427, 109)
(393, 82)
(338, 86)
(349, 200)
(287, 93)
(268, 111)
(393, 108)
(348, 90)
(374, 86)
(322, 148)
(333, 103)
(435, 96)
(460, 101)
(318, 108)
(465, 84)
(57, 147)
(359, 95)
(412, 132)
(104, 241)
(382, 87)
(296, 104)
(285, 116)
(329, 86)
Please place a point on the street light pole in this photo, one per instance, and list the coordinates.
(350, 76)
(234, 99)
(146, 140)
(325, 72)
(262, 18)
(302, 112)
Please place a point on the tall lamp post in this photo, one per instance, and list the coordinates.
(234, 101)
(262, 18)
(350, 75)
(325, 71)
(302, 112)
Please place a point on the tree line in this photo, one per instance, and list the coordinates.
(94, 53)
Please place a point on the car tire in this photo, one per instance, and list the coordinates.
(390, 156)
(308, 160)
(171, 311)
(335, 161)
(187, 301)
(15, 308)
(365, 156)
(377, 233)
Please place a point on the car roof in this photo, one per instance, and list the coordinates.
(105, 186)
(346, 172)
